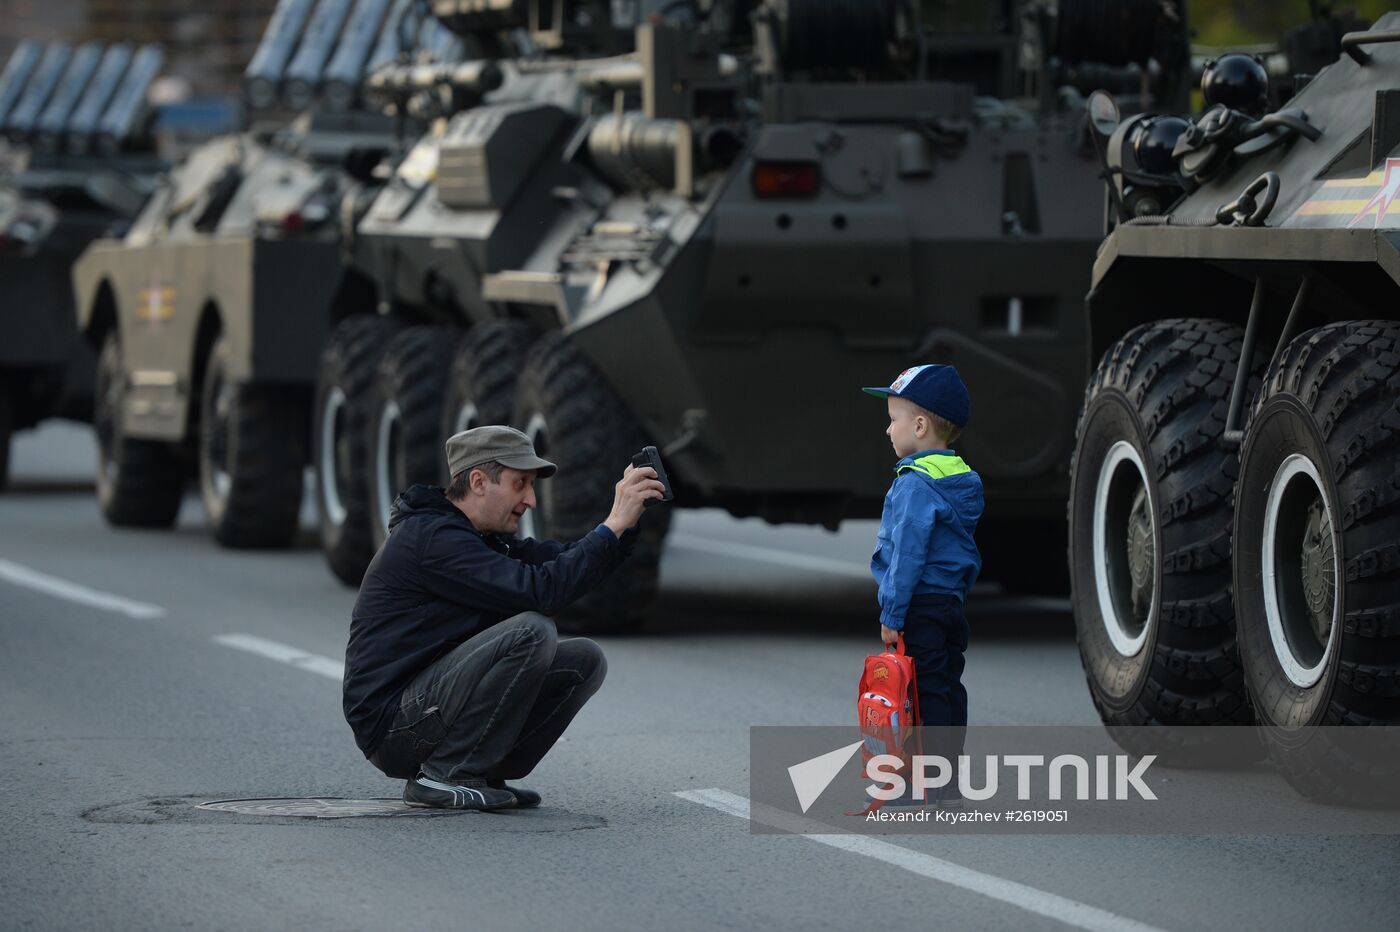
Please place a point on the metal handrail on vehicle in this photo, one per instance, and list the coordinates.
(1352, 42)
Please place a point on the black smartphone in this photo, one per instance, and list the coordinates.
(650, 456)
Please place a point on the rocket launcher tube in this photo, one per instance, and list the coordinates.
(82, 126)
(386, 51)
(41, 84)
(48, 129)
(128, 106)
(263, 75)
(15, 77)
(346, 70)
(303, 75)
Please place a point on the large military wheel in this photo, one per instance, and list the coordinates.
(405, 419)
(481, 384)
(1317, 562)
(339, 438)
(252, 449)
(578, 422)
(139, 482)
(1150, 522)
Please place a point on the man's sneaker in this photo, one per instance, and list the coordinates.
(473, 794)
(524, 799)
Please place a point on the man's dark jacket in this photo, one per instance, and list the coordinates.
(436, 582)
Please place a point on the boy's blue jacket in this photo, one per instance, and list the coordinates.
(925, 544)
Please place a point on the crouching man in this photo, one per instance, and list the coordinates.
(454, 677)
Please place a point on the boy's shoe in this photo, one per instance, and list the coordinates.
(524, 799)
(472, 794)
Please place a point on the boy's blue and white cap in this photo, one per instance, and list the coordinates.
(934, 388)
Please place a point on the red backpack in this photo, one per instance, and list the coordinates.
(887, 709)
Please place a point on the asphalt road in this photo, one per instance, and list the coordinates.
(143, 672)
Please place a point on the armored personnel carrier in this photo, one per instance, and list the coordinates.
(77, 159)
(209, 315)
(722, 220)
(1233, 504)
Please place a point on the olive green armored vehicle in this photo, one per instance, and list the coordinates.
(209, 315)
(77, 160)
(705, 225)
(1235, 501)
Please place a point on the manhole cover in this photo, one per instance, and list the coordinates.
(322, 807)
(282, 810)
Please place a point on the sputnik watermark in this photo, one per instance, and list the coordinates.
(1126, 776)
(1071, 779)
(1114, 776)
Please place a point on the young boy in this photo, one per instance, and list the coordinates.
(925, 558)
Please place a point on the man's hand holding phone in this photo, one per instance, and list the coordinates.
(640, 486)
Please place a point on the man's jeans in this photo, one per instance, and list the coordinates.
(494, 706)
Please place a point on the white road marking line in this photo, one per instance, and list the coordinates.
(75, 592)
(272, 650)
(1031, 899)
(727, 548)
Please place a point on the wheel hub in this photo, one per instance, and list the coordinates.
(1142, 555)
(1299, 564)
(1318, 570)
(1125, 549)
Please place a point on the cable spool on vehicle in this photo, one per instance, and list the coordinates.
(833, 34)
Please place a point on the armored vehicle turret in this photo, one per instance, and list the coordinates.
(705, 226)
(1233, 494)
(78, 159)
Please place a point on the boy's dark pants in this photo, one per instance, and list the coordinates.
(935, 635)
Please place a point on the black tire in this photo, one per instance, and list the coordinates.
(481, 384)
(252, 453)
(1317, 568)
(579, 423)
(405, 419)
(340, 453)
(1153, 617)
(140, 483)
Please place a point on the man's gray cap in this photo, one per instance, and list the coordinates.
(497, 443)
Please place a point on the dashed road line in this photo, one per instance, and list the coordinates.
(76, 592)
(1033, 900)
(283, 653)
